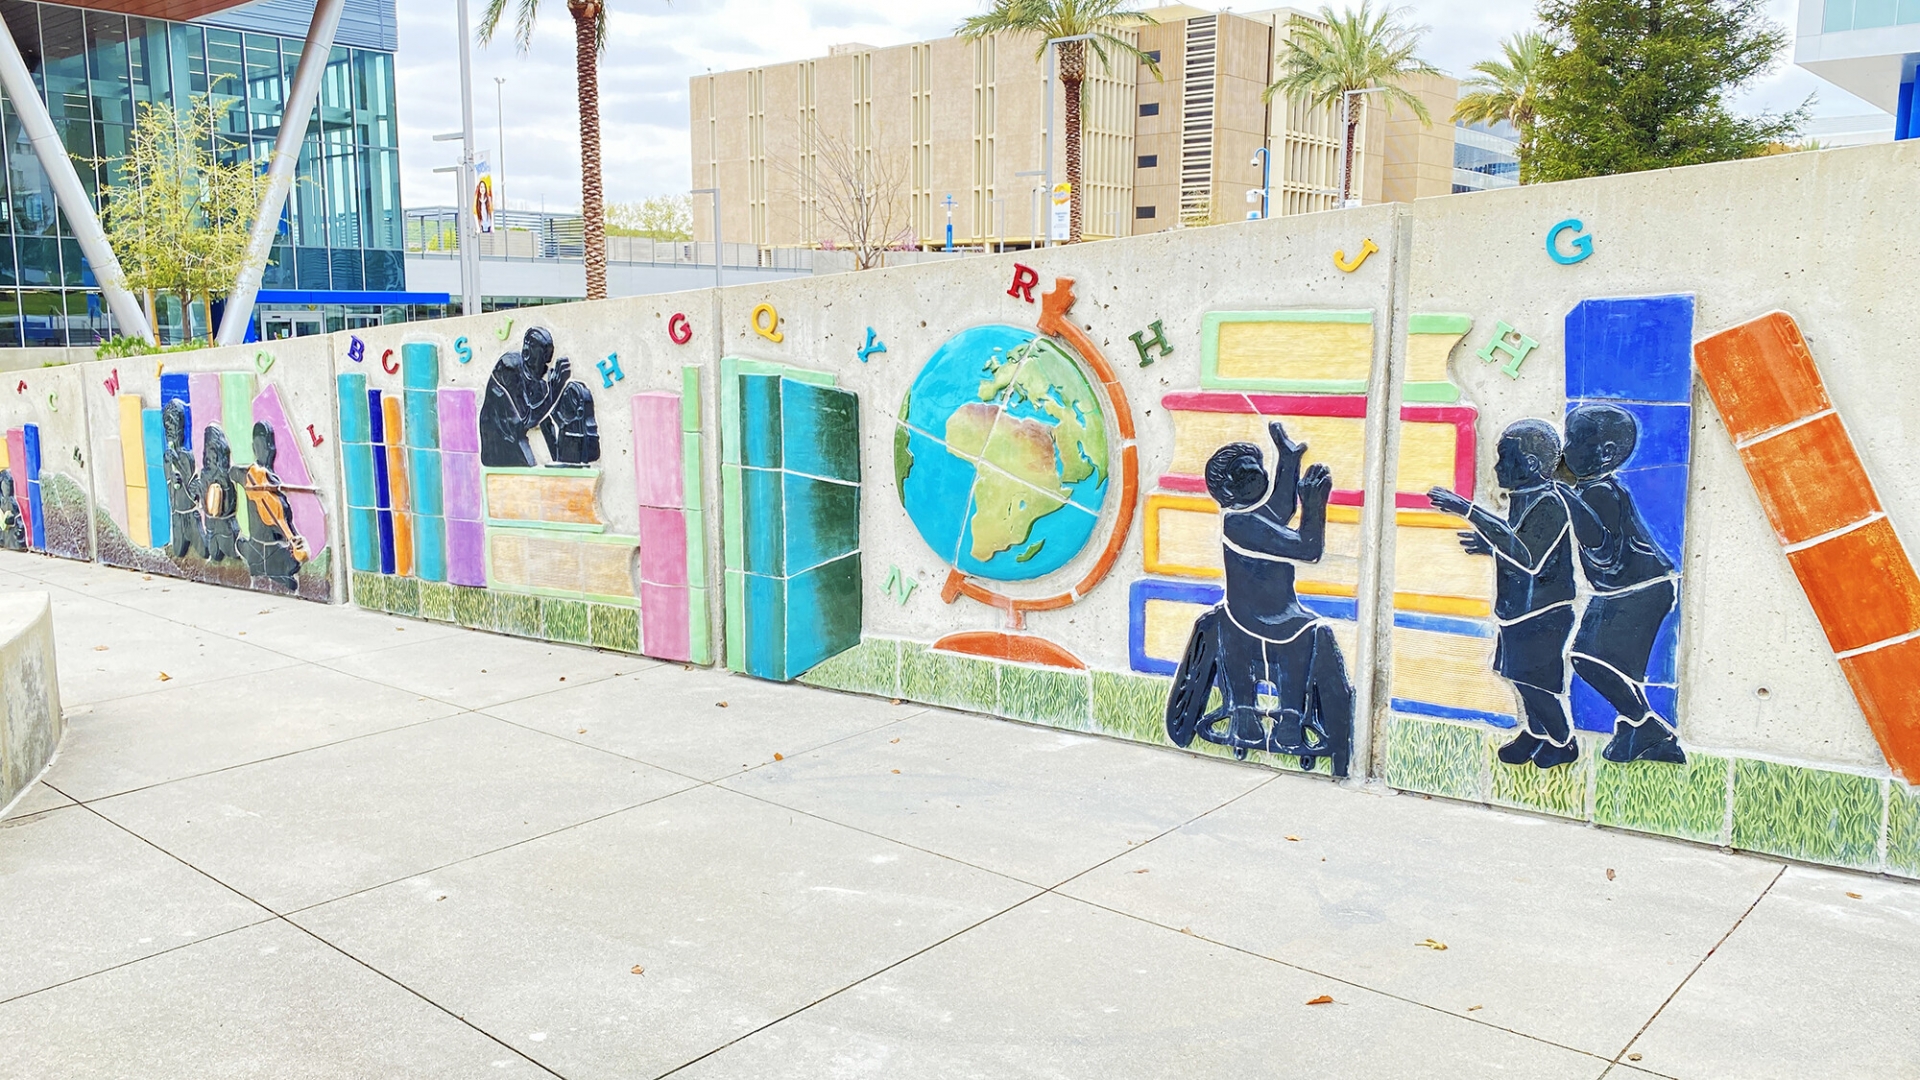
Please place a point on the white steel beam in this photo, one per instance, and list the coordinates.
(67, 192)
(286, 158)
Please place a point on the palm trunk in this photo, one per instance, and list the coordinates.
(586, 56)
(1353, 135)
(1073, 73)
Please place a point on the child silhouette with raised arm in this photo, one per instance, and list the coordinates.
(1633, 581)
(1267, 654)
(1534, 589)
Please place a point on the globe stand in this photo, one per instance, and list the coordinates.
(1022, 647)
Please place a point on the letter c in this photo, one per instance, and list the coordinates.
(1582, 245)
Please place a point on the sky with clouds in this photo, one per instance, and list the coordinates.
(654, 47)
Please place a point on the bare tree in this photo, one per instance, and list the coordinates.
(857, 196)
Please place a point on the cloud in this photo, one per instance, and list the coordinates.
(654, 48)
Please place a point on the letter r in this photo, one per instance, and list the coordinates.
(1024, 279)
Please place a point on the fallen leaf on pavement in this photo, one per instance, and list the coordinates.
(1295, 839)
(1855, 895)
(99, 648)
(1436, 946)
(1633, 1057)
(582, 731)
(1323, 999)
(893, 701)
(896, 772)
(779, 756)
(895, 739)
(1475, 1008)
(1609, 873)
(638, 970)
(164, 677)
(1142, 870)
(720, 704)
(1187, 930)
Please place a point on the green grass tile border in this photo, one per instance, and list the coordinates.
(1687, 801)
(1434, 757)
(368, 590)
(1903, 830)
(516, 614)
(473, 607)
(612, 627)
(1049, 696)
(1131, 706)
(565, 620)
(436, 600)
(1809, 814)
(946, 679)
(1561, 790)
(403, 596)
(871, 667)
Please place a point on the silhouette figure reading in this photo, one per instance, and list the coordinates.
(530, 389)
(1633, 582)
(183, 490)
(1533, 586)
(1271, 658)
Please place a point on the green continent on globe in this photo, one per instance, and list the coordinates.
(1024, 464)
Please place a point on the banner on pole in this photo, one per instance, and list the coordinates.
(1062, 224)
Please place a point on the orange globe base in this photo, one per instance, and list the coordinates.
(1019, 648)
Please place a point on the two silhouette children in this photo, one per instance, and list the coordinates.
(1545, 633)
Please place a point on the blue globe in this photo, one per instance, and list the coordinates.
(1000, 454)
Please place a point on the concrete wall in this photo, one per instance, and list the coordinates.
(31, 724)
(829, 492)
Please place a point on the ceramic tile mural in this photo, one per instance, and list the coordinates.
(1615, 540)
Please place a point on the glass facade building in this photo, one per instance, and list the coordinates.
(1485, 156)
(342, 230)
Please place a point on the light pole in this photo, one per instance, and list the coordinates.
(1033, 210)
(463, 199)
(1346, 142)
(1263, 157)
(715, 192)
(949, 206)
(500, 139)
(1001, 232)
(1048, 89)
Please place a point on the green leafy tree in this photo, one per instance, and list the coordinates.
(176, 212)
(1509, 90)
(1643, 84)
(1359, 49)
(660, 217)
(1048, 19)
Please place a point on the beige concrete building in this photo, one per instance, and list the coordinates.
(792, 146)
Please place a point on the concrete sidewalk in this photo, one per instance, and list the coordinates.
(326, 843)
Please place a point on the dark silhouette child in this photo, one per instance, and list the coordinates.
(219, 498)
(183, 490)
(1633, 582)
(1267, 654)
(1533, 586)
(273, 548)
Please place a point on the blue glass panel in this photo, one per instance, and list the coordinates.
(346, 268)
(386, 271)
(311, 268)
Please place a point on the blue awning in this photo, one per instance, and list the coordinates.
(344, 296)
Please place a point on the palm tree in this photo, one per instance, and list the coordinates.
(1094, 22)
(1509, 91)
(589, 38)
(1357, 50)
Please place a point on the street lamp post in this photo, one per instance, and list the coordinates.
(1346, 142)
(1033, 210)
(1048, 170)
(949, 206)
(500, 139)
(715, 192)
(1263, 157)
(1000, 232)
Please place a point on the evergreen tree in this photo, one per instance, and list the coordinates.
(1642, 84)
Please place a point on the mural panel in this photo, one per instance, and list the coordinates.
(216, 473)
(46, 499)
(490, 501)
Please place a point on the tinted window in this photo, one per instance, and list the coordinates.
(1150, 108)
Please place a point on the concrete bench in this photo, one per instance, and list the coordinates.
(30, 722)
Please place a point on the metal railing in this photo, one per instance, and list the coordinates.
(534, 235)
